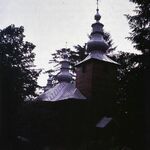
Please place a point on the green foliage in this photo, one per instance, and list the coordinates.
(108, 39)
(140, 26)
(130, 99)
(16, 65)
(73, 56)
(18, 79)
(81, 53)
(140, 36)
(133, 79)
(127, 63)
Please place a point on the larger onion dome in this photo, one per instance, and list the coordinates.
(97, 41)
(97, 46)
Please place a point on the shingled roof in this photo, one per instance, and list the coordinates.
(62, 91)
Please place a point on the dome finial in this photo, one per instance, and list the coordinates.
(97, 5)
(97, 16)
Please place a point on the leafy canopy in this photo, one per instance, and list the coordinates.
(16, 64)
(140, 25)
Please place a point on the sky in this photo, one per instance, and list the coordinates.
(49, 24)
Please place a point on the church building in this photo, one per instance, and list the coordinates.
(77, 115)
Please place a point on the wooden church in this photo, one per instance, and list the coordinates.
(75, 115)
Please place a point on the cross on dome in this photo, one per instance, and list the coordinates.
(97, 5)
(97, 16)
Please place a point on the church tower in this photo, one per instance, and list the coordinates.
(97, 72)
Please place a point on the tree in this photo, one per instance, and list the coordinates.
(81, 52)
(140, 26)
(17, 59)
(123, 101)
(108, 39)
(72, 56)
(18, 76)
(140, 31)
(136, 80)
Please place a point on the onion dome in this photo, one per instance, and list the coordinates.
(49, 83)
(64, 89)
(64, 75)
(97, 41)
(97, 46)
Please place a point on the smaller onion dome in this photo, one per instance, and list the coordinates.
(64, 75)
(49, 83)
